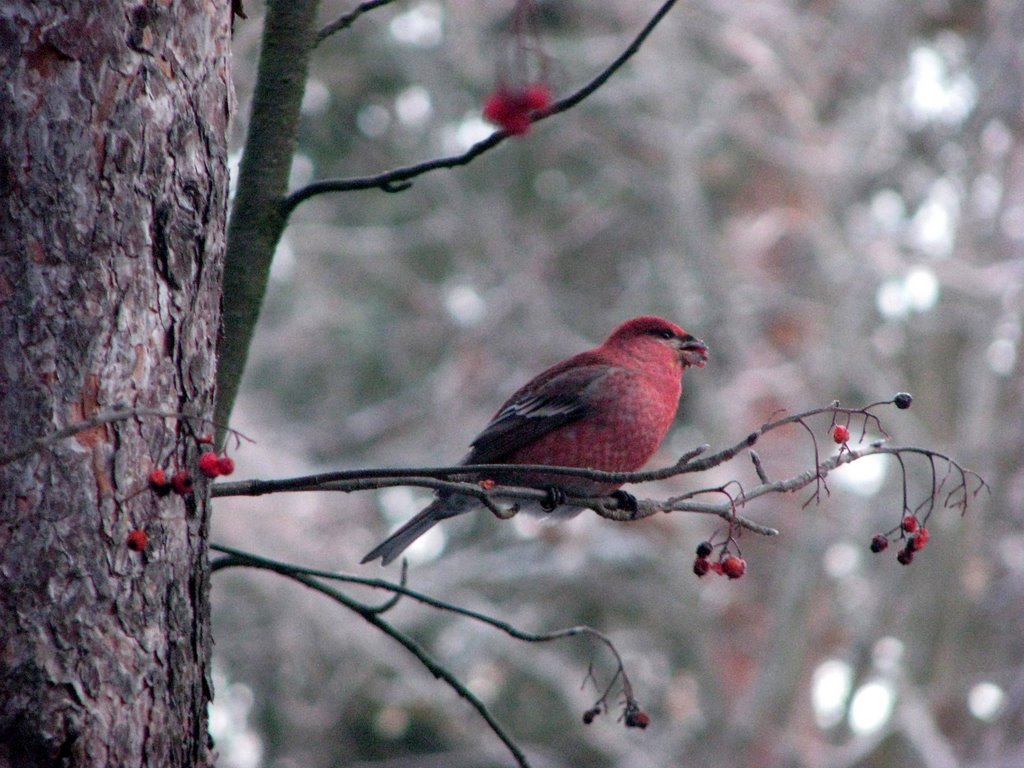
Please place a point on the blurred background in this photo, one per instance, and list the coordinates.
(831, 195)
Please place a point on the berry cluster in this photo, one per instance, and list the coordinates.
(180, 482)
(911, 532)
(632, 716)
(210, 463)
(511, 108)
(521, 89)
(727, 563)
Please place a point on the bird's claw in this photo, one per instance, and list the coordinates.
(556, 497)
(626, 501)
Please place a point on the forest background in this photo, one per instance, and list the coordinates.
(830, 195)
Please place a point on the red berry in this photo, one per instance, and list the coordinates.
(840, 434)
(536, 96)
(905, 556)
(495, 106)
(701, 566)
(158, 482)
(226, 465)
(879, 543)
(510, 108)
(206, 439)
(637, 718)
(918, 541)
(209, 464)
(909, 523)
(502, 110)
(181, 482)
(138, 540)
(734, 567)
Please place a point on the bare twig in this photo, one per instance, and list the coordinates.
(465, 479)
(373, 616)
(399, 179)
(239, 557)
(311, 577)
(345, 21)
(99, 419)
(759, 467)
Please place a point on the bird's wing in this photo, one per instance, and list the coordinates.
(555, 398)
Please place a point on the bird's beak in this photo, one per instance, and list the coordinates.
(693, 351)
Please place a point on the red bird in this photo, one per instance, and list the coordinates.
(606, 409)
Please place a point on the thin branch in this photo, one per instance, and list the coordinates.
(240, 557)
(373, 616)
(466, 479)
(370, 478)
(311, 576)
(256, 224)
(346, 21)
(399, 179)
(759, 467)
(603, 77)
(100, 419)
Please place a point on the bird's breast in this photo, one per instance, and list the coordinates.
(625, 423)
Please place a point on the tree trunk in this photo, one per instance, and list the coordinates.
(113, 187)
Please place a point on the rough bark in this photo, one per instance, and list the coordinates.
(113, 181)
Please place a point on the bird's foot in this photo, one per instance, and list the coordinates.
(556, 497)
(626, 501)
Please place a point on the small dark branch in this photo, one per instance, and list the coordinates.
(346, 21)
(372, 614)
(819, 480)
(389, 181)
(399, 179)
(472, 480)
(868, 417)
(40, 443)
(571, 101)
(310, 576)
(965, 476)
(435, 668)
(631, 707)
(392, 601)
(804, 479)
(107, 417)
(237, 557)
(428, 477)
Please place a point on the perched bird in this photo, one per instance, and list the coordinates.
(608, 409)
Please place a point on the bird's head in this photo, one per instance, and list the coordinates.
(652, 337)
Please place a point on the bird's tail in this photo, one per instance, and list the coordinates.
(440, 509)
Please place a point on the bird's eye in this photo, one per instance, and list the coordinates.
(663, 333)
